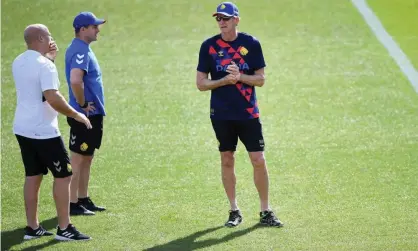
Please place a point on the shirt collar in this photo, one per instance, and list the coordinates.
(34, 52)
(80, 41)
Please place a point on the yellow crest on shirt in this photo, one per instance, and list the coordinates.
(69, 169)
(84, 146)
(243, 51)
(223, 6)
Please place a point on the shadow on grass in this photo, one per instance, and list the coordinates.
(188, 243)
(15, 237)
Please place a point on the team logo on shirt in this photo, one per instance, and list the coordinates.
(243, 51)
(69, 169)
(79, 59)
(220, 53)
(84, 146)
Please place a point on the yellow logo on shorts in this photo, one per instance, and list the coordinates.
(84, 146)
(69, 169)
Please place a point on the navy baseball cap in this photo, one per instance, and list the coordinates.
(227, 9)
(85, 18)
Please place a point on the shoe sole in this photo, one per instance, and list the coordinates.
(62, 238)
(97, 210)
(268, 225)
(85, 213)
(230, 225)
(30, 237)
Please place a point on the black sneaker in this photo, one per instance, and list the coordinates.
(77, 209)
(89, 205)
(269, 219)
(70, 234)
(235, 218)
(35, 233)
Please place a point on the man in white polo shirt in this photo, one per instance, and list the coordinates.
(36, 128)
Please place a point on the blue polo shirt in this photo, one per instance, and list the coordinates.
(232, 102)
(80, 55)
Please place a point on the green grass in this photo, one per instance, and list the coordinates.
(401, 24)
(339, 119)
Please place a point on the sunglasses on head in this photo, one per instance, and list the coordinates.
(219, 18)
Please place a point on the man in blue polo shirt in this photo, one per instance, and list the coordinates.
(84, 79)
(236, 64)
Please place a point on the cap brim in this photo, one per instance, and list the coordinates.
(99, 21)
(222, 13)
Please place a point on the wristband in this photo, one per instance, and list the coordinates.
(85, 105)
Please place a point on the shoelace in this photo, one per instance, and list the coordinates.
(89, 201)
(270, 217)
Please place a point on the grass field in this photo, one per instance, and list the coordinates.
(340, 123)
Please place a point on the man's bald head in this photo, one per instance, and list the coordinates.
(34, 31)
(38, 38)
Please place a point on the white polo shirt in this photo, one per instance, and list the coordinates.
(33, 74)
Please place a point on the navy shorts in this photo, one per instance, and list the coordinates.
(39, 155)
(248, 131)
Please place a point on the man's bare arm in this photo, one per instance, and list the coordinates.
(77, 85)
(205, 84)
(58, 102)
(257, 79)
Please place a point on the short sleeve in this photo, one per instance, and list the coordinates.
(204, 58)
(49, 77)
(257, 55)
(80, 61)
